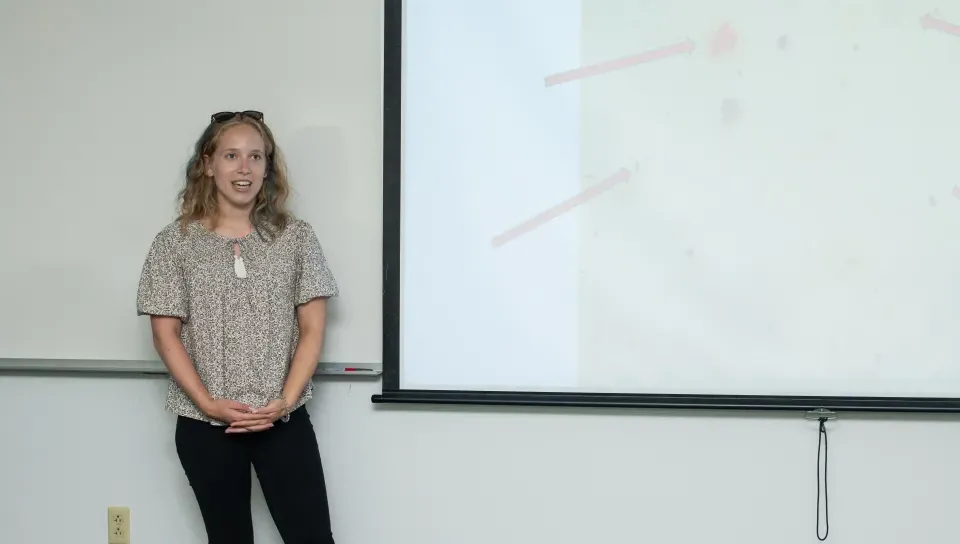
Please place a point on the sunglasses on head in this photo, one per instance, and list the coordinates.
(228, 115)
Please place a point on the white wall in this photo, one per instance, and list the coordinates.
(421, 475)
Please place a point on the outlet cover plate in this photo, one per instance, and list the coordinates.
(118, 525)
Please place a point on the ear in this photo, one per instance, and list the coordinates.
(206, 166)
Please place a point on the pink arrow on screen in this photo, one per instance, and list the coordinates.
(621, 176)
(929, 21)
(686, 46)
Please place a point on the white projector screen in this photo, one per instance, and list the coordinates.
(676, 197)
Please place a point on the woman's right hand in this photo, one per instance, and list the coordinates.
(237, 414)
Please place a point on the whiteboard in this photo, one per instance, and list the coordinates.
(102, 102)
(680, 198)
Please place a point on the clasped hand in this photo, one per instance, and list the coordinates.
(242, 418)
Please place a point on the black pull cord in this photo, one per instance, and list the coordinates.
(822, 439)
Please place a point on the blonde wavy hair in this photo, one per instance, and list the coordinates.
(198, 198)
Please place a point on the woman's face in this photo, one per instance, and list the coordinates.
(238, 166)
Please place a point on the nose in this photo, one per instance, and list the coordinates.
(245, 165)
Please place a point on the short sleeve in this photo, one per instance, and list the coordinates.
(162, 290)
(314, 278)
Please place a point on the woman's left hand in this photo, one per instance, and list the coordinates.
(273, 411)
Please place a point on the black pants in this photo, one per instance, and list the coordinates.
(286, 459)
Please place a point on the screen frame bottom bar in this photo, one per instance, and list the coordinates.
(680, 402)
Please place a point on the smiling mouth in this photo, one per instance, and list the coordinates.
(242, 184)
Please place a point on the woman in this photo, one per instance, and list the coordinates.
(236, 291)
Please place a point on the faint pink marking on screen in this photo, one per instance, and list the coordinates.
(929, 21)
(622, 176)
(686, 46)
(724, 41)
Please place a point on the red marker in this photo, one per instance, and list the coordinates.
(355, 370)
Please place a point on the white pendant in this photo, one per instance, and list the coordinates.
(238, 267)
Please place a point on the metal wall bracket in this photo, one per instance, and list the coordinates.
(820, 413)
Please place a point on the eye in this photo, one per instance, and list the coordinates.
(231, 155)
(256, 156)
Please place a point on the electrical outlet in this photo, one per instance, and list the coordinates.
(118, 525)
